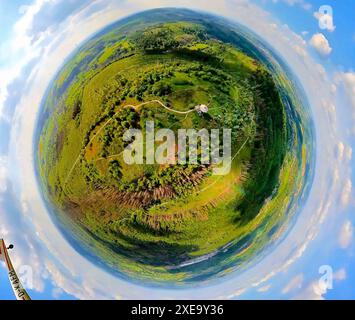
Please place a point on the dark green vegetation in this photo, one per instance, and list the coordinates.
(145, 220)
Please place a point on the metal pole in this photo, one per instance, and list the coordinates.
(16, 285)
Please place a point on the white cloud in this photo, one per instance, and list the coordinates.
(315, 291)
(346, 193)
(264, 288)
(344, 155)
(20, 50)
(345, 235)
(333, 88)
(303, 4)
(57, 292)
(347, 81)
(348, 153)
(340, 275)
(321, 44)
(235, 294)
(300, 50)
(295, 283)
(340, 150)
(3, 175)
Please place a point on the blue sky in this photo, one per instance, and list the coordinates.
(342, 40)
(10, 12)
(33, 34)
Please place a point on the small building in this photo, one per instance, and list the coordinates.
(201, 108)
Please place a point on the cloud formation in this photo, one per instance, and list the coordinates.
(321, 44)
(347, 81)
(340, 275)
(304, 4)
(295, 283)
(3, 175)
(315, 291)
(345, 235)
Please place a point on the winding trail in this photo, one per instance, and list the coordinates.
(108, 121)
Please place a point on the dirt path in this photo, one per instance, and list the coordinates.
(108, 121)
